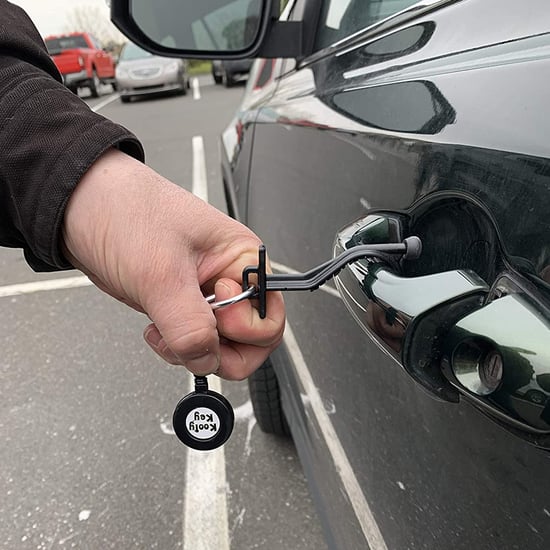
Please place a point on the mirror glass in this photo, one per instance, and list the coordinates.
(205, 25)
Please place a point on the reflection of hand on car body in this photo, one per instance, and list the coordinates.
(154, 246)
(388, 329)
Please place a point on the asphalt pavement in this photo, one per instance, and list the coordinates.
(89, 459)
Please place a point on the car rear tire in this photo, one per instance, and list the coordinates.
(94, 84)
(227, 79)
(183, 86)
(125, 98)
(266, 400)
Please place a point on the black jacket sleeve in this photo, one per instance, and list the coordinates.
(48, 140)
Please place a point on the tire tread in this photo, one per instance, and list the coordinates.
(265, 395)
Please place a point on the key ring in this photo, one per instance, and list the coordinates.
(248, 293)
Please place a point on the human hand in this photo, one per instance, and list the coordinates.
(159, 249)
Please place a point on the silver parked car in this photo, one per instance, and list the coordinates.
(140, 73)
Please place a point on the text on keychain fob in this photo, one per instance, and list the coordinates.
(203, 419)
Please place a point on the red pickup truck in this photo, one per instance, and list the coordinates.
(81, 61)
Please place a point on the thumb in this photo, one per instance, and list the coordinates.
(184, 331)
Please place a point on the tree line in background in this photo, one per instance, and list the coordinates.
(94, 20)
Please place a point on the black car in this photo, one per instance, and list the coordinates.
(229, 72)
(417, 387)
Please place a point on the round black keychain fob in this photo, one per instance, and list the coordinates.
(203, 419)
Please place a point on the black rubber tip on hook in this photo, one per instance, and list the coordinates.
(414, 248)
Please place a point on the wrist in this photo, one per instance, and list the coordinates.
(86, 213)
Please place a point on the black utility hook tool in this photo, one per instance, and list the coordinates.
(204, 419)
(409, 249)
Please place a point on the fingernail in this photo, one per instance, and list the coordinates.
(201, 366)
(152, 336)
(155, 340)
(222, 291)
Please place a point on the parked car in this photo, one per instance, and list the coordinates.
(140, 73)
(81, 61)
(417, 391)
(229, 72)
(217, 71)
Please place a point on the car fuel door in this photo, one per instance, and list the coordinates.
(454, 333)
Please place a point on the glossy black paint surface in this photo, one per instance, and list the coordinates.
(446, 120)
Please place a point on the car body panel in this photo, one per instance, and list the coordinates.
(450, 129)
(238, 137)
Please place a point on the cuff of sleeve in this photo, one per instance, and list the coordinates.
(46, 254)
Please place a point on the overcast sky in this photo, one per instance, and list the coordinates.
(49, 15)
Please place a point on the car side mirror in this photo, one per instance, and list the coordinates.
(221, 29)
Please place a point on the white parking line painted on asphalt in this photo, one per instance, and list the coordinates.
(205, 514)
(342, 465)
(196, 88)
(200, 182)
(39, 286)
(105, 102)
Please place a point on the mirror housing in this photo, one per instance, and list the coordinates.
(200, 30)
